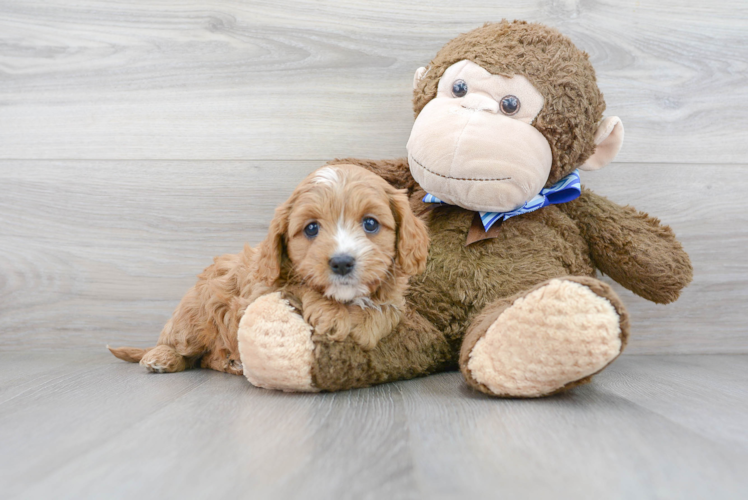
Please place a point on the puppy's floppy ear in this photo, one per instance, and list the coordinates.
(272, 249)
(412, 236)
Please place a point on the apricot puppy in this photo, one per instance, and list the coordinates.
(340, 250)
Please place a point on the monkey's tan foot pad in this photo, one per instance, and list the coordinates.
(163, 359)
(553, 338)
(275, 345)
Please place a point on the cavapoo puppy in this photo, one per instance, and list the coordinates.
(340, 250)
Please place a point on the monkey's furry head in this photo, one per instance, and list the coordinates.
(562, 73)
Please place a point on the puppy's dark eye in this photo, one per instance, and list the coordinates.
(311, 229)
(509, 105)
(371, 225)
(459, 88)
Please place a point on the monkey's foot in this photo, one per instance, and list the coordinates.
(549, 339)
(275, 345)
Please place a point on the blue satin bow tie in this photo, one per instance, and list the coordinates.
(567, 189)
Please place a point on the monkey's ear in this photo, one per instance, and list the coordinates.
(608, 142)
(419, 74)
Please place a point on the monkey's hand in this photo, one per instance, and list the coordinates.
(631, 247)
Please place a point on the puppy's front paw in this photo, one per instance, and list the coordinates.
(372, 325)
(329, 320)
(275, 345)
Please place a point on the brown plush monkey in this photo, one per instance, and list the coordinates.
(504, 116)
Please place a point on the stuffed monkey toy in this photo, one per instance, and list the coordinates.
(506, 115)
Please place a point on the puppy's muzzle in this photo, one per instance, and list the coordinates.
(342, 264)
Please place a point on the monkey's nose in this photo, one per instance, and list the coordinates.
(479, 102)
(342, 264)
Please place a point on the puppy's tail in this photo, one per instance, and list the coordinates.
(131, 354)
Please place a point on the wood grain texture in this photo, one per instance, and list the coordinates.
(140, 139)
(77, 425)
(97, 252)
(282, 79)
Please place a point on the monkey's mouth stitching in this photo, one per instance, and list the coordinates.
(455, 178)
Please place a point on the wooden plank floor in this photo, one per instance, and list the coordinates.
(84, 425)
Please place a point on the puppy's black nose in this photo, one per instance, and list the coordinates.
(342, 264)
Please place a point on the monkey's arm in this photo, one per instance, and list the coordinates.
(396, 172)
(631, 247)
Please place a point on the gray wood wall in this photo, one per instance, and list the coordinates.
(139, 139)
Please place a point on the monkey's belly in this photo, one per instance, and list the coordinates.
(460, 281)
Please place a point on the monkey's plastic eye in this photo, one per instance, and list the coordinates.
(371, 225)
(459, 88)
(509, 105)
(311, 230)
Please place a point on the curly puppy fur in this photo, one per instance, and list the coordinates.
(365, 304)
(561, 72)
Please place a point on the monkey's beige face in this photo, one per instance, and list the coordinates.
(341, 233)
(474, 145)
